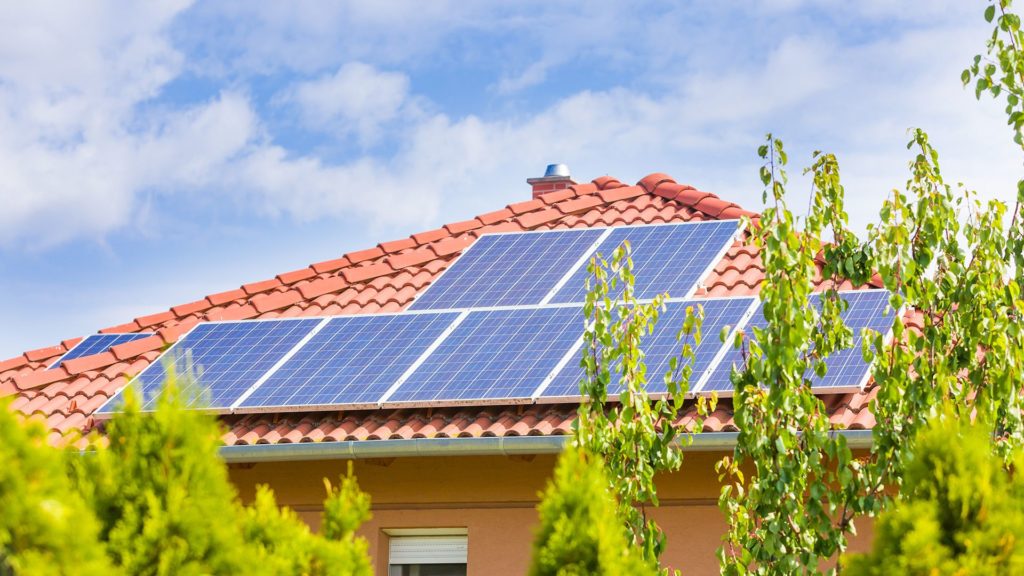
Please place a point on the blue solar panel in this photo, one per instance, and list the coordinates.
(351, 360)
(662, 345)
(669, 258)
(846, 368)
(495, 355)
(95, 344)
(229, 357)
(508, 270)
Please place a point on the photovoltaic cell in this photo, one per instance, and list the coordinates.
(351, 360)
(495, 355)
(508, 270)
(228, 358)
(95, 344)
(666, 258)
(846, 368)
(662, 345)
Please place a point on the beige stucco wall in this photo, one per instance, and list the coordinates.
(494, 497)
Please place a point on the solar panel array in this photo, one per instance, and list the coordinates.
(551, 266)
(662, 345)
(509, 269)
(495, 355)
(669, 258)
(97, 344)
(846, 368)
(503, 324)
(351, 360)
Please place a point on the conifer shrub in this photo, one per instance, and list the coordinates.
(580, 530)
(166, 506)
(961, 511)
(45, 527)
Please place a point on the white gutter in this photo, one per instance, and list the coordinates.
(487, 446)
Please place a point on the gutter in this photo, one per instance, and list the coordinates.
(486, 446)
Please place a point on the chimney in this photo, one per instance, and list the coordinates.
(555, 178)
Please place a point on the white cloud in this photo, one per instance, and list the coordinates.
(357, 98)
(79, 150)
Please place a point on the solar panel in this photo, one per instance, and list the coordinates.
(669, 258)
(662, 345)
(351, 360)
(495, 355)
(508, 269)
(229, 357)
(846, 368)
(96, 344)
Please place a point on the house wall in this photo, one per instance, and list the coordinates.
(495, 498)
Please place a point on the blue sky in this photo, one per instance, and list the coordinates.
(152, 153)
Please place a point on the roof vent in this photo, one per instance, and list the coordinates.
(555, 178)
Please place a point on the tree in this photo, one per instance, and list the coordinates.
(285, 545)
(581, 531)
(160, 491)
(636, 437)
(45, 527)
(954, 266)
(782, 515)
(166, 506)
(960, 512)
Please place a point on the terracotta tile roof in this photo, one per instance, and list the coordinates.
(385, 278)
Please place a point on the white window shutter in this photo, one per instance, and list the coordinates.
(427, 550)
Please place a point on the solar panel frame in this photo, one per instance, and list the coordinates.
(746, 304)
(401, 396)
(107, 409)
(116, 338)
(464, 302)
(575, 295)
(720, 373)
(242, 405)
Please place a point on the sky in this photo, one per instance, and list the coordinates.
(152, 153)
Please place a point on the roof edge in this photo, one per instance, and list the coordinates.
(486, 446)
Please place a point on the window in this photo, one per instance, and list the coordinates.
(427, 553)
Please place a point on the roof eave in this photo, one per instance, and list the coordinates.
(486, 446)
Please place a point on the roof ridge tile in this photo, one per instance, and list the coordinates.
(463, 226)
(607, 182)
(221, 298)
(430, 236)
(296, 275)
(330, 265)
(254, 288)
(651, 182)
(526, 206)
(363, 255)
(191, 308)
(40, 354)
(495, 216)
(397, 245)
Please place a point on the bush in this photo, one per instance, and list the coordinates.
(45, 527)
(166, 505)
(961, 511)
(580, 531)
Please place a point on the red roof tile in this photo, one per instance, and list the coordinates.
(386, 278)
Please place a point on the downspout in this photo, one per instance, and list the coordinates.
(487, 446)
